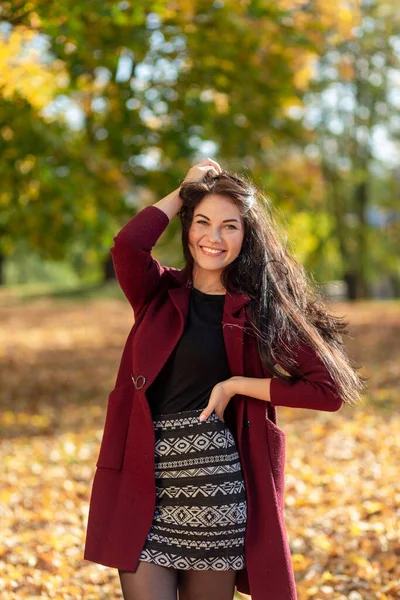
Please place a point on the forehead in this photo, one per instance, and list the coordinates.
(217, 207)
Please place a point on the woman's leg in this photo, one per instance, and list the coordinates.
(150, 582)
(206, 585)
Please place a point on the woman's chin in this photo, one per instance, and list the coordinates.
(207, 265)
(203, 267)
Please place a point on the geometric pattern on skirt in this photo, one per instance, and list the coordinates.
(201, 508)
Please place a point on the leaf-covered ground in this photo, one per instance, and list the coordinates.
(59, 362)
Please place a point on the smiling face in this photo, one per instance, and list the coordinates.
(215, 236)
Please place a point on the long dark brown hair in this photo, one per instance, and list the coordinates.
(285, 306)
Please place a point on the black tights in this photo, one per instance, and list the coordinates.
(152, 582)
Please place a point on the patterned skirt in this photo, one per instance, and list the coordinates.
(201, 509)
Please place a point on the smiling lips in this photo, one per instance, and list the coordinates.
(211, 251)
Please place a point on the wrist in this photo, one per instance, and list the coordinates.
(234, 385)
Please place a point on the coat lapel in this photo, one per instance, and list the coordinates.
(233, 323)
(158, 334)
(180, 297)
(173, 319)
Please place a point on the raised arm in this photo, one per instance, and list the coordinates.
(138, 273)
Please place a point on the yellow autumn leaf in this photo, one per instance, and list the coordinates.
(323, 542)
(25, 73)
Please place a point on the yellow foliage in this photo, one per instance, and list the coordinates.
(292, 5)
(342, 483)
(323, 542)
(185, 8)
(300, 562)
(304, 234)
(342, 15)
(304, 69)
(7, 133)
(346, 68)
(221, 102)
(26, 164)
(23, 71)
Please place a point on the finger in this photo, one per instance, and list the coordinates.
(213, 163)
(207, 170)
(216, 166)
(206, 413)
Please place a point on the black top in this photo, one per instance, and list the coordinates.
(197, 362)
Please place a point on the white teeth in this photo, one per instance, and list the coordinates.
(212, 251)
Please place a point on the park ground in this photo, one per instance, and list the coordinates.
(59, 357)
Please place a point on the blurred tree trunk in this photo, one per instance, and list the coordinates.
(108, 269)
(361, 203)
(2, 264)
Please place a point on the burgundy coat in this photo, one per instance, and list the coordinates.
(123, 494)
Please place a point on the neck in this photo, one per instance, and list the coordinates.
(207, 282)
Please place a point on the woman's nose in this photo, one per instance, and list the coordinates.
(215, 236)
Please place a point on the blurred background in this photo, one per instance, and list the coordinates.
(104, 106)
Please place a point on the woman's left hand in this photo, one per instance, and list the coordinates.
(221, 393)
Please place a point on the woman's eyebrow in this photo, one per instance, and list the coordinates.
(225, 221)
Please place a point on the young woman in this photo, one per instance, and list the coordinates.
(188, 493)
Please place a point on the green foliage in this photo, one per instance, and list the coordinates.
(153, 84)
(354, 97)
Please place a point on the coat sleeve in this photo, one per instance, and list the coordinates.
(316, 390)
(138, 273)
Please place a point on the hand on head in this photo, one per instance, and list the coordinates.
(197, 172)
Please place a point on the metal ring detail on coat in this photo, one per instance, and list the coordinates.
(135, 383)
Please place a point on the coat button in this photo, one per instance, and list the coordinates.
(247, 423)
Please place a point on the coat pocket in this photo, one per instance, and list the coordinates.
(112, 448)
(277, 452)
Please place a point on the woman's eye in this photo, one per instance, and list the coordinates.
(205, 222)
